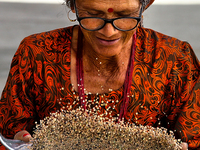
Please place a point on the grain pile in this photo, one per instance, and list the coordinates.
(80, 130)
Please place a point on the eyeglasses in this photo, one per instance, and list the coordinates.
(96, 23)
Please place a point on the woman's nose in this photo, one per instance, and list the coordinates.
(108, 30)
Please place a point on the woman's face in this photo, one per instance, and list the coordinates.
(108, 41)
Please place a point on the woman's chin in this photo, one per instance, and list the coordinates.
(108, 48)
(108, 52)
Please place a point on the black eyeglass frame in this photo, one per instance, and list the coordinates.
(108, 20)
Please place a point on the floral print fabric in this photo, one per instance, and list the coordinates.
(165, 90)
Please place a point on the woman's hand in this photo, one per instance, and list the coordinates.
(184, 146)
(23, 136)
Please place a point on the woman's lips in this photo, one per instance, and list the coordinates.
(108, 42)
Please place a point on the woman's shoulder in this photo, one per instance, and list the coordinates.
(50, 38)
(147, 34)
(156, 42)
(54, 41)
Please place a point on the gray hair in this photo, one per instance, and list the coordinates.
(145, 2)
(70, 3)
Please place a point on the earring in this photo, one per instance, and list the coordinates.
(69, 17)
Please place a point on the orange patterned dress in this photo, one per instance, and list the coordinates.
(165, 88)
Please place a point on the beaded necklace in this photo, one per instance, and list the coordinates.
(80, 77)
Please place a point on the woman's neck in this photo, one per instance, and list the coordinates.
(103, 73)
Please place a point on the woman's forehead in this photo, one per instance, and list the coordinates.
(115, 4)
(108, 1)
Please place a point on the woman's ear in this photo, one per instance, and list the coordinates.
(73, 10)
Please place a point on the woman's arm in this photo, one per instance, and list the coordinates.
(186, 106)
(188, 123)
(17, 108)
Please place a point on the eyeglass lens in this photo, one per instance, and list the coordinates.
(97, 23)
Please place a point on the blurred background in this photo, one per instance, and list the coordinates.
(18, 19)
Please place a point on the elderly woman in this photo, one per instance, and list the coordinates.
(108, 64)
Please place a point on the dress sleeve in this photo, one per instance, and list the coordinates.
(188, 123)
(17, 108)
(186, 110)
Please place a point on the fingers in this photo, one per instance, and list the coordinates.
(23, 136)
(184, 146)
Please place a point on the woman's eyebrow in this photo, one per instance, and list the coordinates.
(96, 10)
(91, 9)
(127, 12)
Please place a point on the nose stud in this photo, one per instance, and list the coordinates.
(110, 10)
